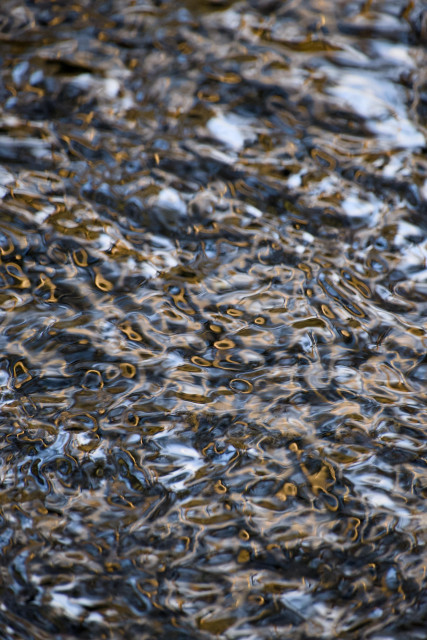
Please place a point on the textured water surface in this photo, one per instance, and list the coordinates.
(213, 287)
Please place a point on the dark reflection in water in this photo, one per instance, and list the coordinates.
(213, 289)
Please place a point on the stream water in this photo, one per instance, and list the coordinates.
(213, 335)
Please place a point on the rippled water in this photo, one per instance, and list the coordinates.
(213, 319)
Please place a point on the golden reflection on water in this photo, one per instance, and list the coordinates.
(213, 323)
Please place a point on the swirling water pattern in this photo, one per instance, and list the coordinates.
(213, 289)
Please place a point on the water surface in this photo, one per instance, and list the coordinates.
(213, 289)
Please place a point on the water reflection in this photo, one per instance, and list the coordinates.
(213, 299)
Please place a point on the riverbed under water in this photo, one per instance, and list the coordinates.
(213, 286)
